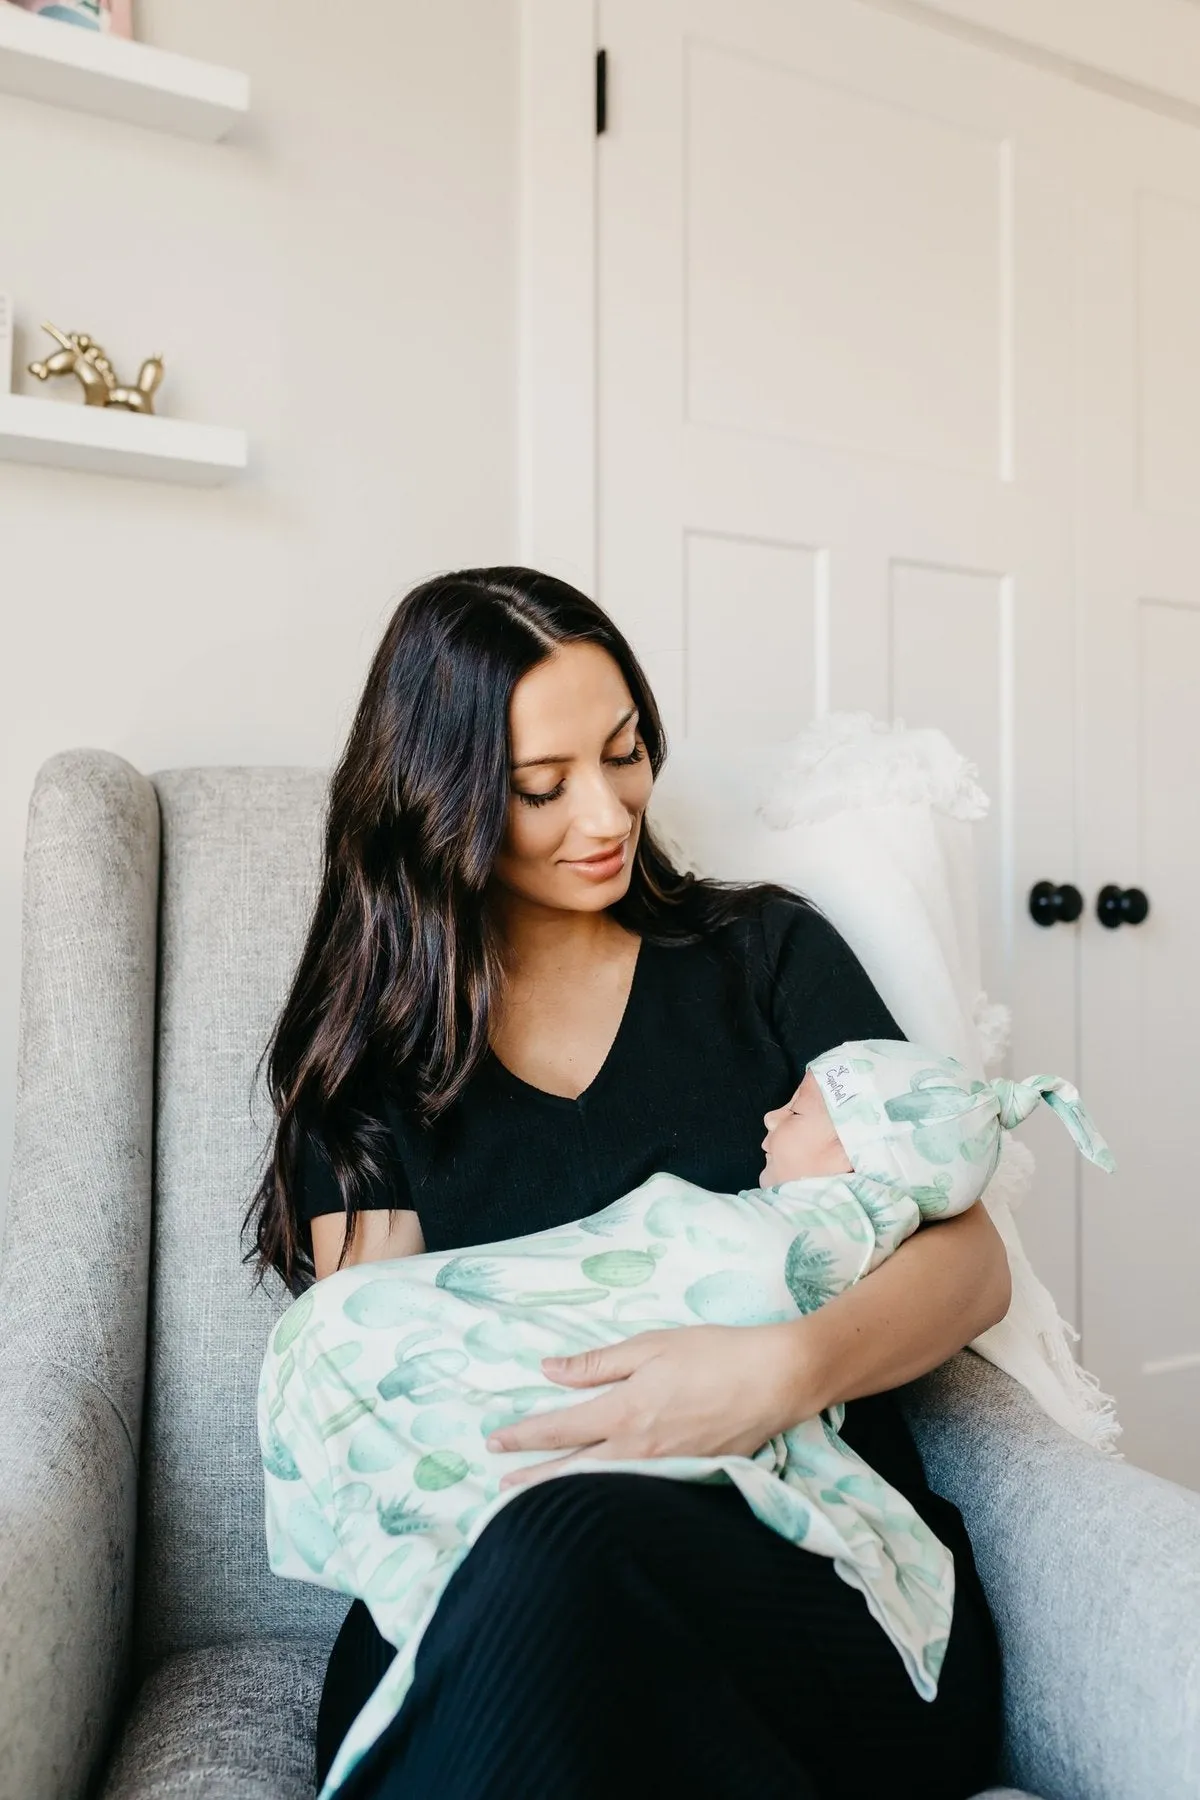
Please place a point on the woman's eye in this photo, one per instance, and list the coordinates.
(622, 762)
(540, 799)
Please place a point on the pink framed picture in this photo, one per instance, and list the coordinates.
(114, 16)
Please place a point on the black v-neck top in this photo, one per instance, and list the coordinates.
(712, 1035)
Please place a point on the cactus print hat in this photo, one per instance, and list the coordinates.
(924, 1123)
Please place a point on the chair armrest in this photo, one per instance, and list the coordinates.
(68, 1516)
(74, 1269)
(1092, 1570)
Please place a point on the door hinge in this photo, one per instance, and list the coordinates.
(601, 92)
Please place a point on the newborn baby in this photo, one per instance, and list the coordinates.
(382, 1383)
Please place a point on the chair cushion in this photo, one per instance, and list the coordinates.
(233, 1722)
(238, 1722)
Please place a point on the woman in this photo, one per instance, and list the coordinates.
(511, 1008)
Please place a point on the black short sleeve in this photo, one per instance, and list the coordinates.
(818, 993)
(317, 1190)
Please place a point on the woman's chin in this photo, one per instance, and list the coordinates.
(595, 899)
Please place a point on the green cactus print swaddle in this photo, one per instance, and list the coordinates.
(382, 1382)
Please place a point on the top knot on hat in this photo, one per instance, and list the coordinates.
(910, 1118)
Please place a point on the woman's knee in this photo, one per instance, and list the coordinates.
(561, 1536)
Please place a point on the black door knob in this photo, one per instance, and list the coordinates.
(1121, 906)
(1050, 905)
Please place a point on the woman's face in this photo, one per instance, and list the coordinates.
(579, 779)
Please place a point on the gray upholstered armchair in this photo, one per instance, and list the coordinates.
(145, 1648)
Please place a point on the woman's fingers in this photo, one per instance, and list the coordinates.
(613, 1362)
(568, 1428)
(542, 1471)
(579, 1427)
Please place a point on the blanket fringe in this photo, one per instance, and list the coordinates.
(1071, 1394)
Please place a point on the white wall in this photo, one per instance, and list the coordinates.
(339, 280)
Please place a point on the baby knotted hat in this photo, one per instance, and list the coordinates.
(924, 1123)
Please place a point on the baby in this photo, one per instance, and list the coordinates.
(382, 1383)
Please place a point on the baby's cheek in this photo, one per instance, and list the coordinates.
(790, 1151)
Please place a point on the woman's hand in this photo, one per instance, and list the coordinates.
(701, 1390)
(710, 1390)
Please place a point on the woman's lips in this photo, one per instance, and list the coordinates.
(602, 867)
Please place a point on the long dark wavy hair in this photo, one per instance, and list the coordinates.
(402, 965)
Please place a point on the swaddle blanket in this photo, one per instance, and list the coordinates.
(382, 1382)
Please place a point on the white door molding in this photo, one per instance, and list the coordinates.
(556, 306)
(1147, 51)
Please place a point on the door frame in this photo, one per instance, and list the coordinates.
(556, 299)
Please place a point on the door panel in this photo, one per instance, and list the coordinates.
(749, 685)
(1167, 252)
(811, 282)
(958, 623)
(1138, 575)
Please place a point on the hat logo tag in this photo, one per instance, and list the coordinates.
(841, 1083)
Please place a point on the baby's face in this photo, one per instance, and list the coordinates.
(800, 1139)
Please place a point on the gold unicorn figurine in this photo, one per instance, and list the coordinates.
(82, 357)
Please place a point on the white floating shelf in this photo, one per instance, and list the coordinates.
(107, 441)
(68, 65)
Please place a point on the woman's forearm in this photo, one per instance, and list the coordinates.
(941, 1288)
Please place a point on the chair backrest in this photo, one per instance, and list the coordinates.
(240, 858)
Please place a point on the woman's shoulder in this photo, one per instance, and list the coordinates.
(776, 925)
(806, 980)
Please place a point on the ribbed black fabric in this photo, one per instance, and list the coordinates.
(617, 1635)
(599, 1611)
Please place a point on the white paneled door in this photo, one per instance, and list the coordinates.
(841, 342)
(1138, 378)
(834, 367)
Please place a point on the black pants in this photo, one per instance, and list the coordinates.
(614, 1636)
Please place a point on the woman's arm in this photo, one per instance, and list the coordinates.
(713, 1390)
(380, 1236)
(941, 1288)
(387, 1226)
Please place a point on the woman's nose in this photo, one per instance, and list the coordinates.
(601, 813)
